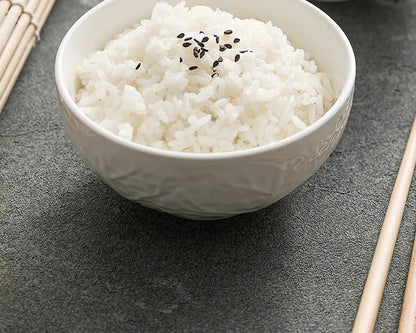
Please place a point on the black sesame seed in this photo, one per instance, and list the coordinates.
(181, 35)
(215, 64)
(213, 75)
(186, 44)
(217, 39)
(188, 38)
(237, 57)
(228, 32)
(205, 39)
(222, 48)
(244, 51)
(237, 40)
(193, 68)
(199, 43)
(196, 54)
(204, 49)
(228, 46)
(201, 32)
(138, 66)
(202, 54)
(220, 59)
(180, 59)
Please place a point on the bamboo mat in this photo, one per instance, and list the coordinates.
(20, 24)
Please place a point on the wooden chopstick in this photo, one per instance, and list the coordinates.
(9, 23)
(45, 14)
(43, 11)
(22, 52)
(377, 275)
(18, 32)
(4, 7)
(408, 316)
(16, 67)
(22, 49)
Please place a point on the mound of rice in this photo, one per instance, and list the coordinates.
(202, 81)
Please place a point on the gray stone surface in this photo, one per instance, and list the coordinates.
(77, 257)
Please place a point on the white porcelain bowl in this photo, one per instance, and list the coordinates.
(208, 186)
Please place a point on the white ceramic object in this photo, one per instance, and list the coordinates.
(208, 186)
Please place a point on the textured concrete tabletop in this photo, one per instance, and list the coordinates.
(77, 257)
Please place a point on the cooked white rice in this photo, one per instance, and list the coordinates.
(272, 92)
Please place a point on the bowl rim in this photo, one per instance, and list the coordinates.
(73, 108)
